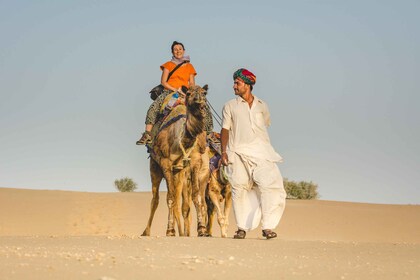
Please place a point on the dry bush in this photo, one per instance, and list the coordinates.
(125, 185)
(301, 190)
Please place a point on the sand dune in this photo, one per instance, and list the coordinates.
(75, 235)
(62, 213)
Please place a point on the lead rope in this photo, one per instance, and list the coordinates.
(218, 119)
(185, 153)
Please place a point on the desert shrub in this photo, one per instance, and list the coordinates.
(301, 190)
(125, 185)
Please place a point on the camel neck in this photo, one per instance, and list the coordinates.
(194, 125)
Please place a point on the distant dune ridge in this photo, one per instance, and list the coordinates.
(29, 218)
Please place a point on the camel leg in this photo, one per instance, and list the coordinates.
(203, 185)
(216, 199)
(228, 205)
(202, 196)
(197, 202)
(210, 213)
(179, 179)
(170, 197)
(198, 194)
(186, 194)
(156, 176)
(199, 182)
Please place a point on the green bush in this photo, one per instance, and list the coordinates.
(301, 190)
(125, 185)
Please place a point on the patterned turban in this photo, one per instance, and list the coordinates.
(246, 76)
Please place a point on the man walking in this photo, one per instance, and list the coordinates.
(257, 186)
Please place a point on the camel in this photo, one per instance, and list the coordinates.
(182, 142)
(219, 200)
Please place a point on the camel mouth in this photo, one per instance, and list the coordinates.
(202, 107)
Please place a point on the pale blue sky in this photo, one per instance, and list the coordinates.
(341, 79)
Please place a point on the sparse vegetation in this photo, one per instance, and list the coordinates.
(301, 190)
(125, 184)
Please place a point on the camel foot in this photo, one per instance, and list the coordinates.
(202, 231)
(170, 232)
(145, 233)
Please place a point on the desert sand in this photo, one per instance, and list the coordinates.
(80, 235)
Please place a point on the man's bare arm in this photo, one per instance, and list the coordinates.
(224, 138)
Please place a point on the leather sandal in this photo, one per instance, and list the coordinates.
(239, 234)
(268, 233)
(146, 138)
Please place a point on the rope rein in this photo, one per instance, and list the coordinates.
(218, 119)
(187, 153)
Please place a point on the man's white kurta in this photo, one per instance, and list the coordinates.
(257, 185)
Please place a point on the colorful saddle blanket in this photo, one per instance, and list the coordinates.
(215, 151)
(173, 108)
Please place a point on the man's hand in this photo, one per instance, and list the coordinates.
(225, 159)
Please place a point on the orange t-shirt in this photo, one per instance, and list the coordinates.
(181, 76)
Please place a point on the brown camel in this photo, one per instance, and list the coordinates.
(179, 155)
(219, 200)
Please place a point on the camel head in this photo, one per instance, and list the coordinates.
(196, 98)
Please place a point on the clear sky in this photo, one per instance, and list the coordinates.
(341, 79)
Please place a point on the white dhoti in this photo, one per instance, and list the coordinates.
(258, 193)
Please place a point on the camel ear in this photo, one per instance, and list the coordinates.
(206, 88)
(184, 89)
